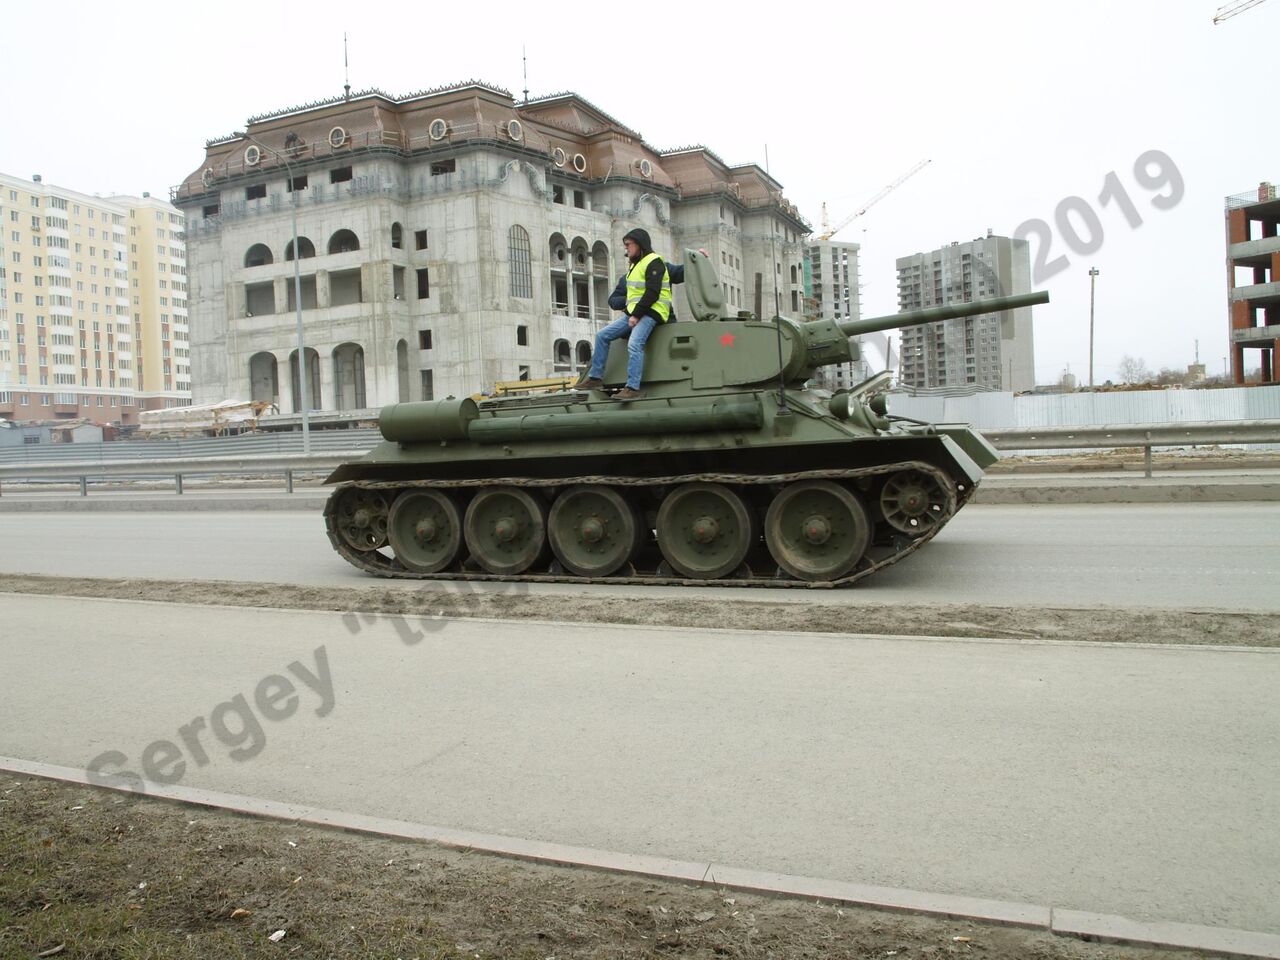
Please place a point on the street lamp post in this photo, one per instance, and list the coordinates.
(303, 403)
(1093, 279)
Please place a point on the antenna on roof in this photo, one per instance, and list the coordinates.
(346, 72)
(524, 58)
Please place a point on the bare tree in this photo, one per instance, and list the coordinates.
(1133, 370)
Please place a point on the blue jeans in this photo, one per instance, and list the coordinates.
(636, 339)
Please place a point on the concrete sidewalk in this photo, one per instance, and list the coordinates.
(1107, 779)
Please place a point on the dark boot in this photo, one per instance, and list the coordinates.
(626, 393)
(589, 383)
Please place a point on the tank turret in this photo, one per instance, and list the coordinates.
(728, 468)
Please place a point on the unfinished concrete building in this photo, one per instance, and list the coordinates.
(447, 240)
(1253, 280)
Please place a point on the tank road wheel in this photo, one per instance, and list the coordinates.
(593, 530)
(705, 530)
(914, 502)
(361, 518)
(817, 530)
(425, 530)
(505, 529)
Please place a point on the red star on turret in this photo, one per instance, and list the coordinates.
(726, 339)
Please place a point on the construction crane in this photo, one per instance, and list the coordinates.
(1227, 11)
(829, 231)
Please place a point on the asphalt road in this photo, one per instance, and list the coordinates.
(1168, 556)
(1142, 781)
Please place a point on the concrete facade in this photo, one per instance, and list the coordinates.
(987, 352)
(78, 308)
(1253, 280)
(451, 239)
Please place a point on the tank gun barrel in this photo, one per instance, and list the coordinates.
(947, 311)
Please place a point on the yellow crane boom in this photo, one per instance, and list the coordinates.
(829, 231)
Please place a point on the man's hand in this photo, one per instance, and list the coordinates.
(632, 321)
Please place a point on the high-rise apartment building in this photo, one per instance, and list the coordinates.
(831, 287)
(448, 240)
(988, 352)
(73, 315)
(158, 302)
(1253, 280)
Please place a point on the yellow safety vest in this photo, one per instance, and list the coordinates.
(636, 285)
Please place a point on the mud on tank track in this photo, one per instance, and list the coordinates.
(875, 558)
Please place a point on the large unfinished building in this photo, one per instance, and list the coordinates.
(448, 240)
(1253, 280)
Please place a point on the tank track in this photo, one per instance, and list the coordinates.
(378, 564)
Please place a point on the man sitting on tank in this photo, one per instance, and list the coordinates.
(648, 303)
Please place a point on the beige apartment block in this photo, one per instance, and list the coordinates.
(447, 240)
(158, 302)
(72, 317)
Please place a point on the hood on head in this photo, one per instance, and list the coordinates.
(641, 237)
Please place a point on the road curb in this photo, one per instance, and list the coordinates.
(1221, 941)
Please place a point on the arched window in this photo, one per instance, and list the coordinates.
(563, 353)
(264, 378)
(344, 241)
(519, 252)
(348, 376)
(305, 249)
(259, 255)
(600, 259)
(397, 236)
(584, 353)
(793, 273)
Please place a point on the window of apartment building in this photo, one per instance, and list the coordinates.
(340, 175)
(296, 183)
(519, 254)
(420, 239)
(557, 193)
(428, 386)
(255, 192)
(522, 337)
(424, 284)
(441, 167)
(397, 237)
(580, 199)
(524, 372)
(211, 210)
(424, 339)
(397, 283)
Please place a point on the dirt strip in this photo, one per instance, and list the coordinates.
(732, 610)
(86, 873)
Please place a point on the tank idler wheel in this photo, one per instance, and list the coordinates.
(705, 530)
(505, 529)
(594, 530)
(361, 519)
(914, 502)
(817, 530)
(425, 530)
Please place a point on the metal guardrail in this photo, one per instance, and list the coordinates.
(177, 468)
(1145, 436)
(322, 441)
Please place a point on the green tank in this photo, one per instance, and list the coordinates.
(728, 469)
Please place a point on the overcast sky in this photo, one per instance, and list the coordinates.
(1019, 106)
